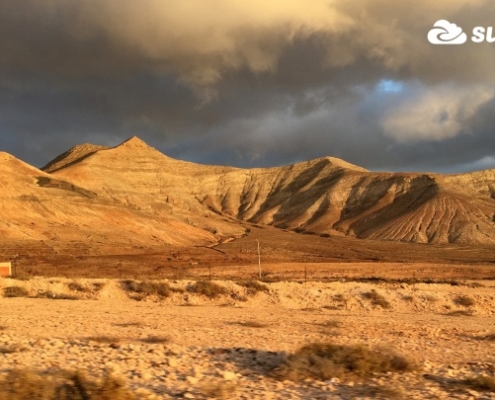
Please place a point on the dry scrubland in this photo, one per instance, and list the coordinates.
(126, 339)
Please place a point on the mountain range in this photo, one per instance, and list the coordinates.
(132, 194)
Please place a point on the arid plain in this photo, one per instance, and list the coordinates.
(133, 265)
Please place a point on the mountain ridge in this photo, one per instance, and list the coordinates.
(322, 196)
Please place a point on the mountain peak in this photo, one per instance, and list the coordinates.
(134, 141)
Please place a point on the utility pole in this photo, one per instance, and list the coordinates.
(259, 258)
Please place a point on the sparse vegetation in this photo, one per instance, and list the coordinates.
(376, 299)
(208, 289)
(331, 323)
(218, 389)
(156, 339)
(62, 385)
(15, 291)
(463, 300)
(326, 360)
(429, 298)
(104, 339)
(129, 324)
(55, 296)
(460, 313)
(76, 286)
(339, 298)
(253, 287)
(490, 337)
(253, 324)
(481, 383)
(11, 349)
(141, 289)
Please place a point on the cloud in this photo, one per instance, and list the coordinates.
(435, 115)
(248, 82)
(445, 32)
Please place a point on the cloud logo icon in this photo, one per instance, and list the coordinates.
(444, 32)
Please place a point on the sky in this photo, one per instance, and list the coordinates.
(251, 83)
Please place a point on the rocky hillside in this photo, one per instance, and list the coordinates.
(324, 196)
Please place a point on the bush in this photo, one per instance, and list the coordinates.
(253, 287)
(376, 299)
(326, 360)
(25, 384)
(55, 296)
(208, 289)
(465, 301)
(156, 339)
(480, 383)
(148, 288)
(15, 291)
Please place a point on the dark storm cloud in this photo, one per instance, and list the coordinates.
(249, 83)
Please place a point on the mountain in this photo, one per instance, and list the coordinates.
(324, 196)
(51, 210)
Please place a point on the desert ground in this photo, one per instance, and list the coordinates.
(174, 339)
(139, 276)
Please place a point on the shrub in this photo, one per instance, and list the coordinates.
(253, 287)
(376, 299)
(55, 296)
(460, 313)
(104, 339)
(15, 291)
(465, 301)
(480, 383)
(208, 289)
(253, 324)
(156, 339)
(76, 286)
(25, 384)
(326, 360)
(148, 288)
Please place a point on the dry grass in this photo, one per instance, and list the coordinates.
(208, 289)
(79, 287)
(326, 360)
(15, 291)
(253, 287)
(376, 299)
(463, 300)
(62, 385)
(129, 324)
(55, 296)
(253, 324)
(490, 337)
(218, 389)
(156, 339)
(104, 339)
(11, 349)
(141, 289)
(481, 383)
(460, 313)
(331, 323)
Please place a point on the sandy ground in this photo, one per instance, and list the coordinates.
(230, 342)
